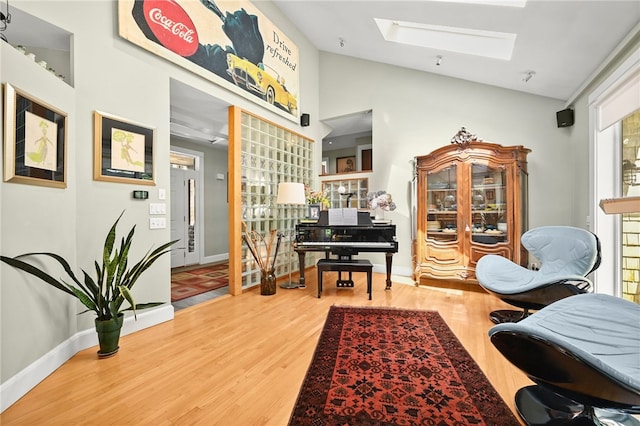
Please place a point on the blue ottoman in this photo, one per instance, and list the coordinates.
(583, 353)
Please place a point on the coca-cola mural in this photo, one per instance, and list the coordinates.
(229, 42)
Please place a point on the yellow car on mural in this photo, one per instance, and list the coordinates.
(257, 80)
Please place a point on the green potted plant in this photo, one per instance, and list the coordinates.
(105, 294)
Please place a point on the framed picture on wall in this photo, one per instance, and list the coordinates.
(35, 146)
(346, 164)
(123, 150)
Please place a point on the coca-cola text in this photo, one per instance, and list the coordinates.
(176, 28)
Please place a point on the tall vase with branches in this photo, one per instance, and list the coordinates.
(261, 249)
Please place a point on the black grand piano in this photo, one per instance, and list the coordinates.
(345, 241)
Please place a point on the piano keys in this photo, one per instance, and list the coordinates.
(345, 240)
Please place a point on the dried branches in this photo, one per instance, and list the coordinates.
(260, 248)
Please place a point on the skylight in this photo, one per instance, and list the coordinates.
(490, 44)
(506, 3)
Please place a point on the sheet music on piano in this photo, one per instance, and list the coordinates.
(343, 217)
(350, 216)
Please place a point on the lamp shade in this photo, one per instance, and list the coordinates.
(291, 193)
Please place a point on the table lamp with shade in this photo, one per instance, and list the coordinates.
(291, 193)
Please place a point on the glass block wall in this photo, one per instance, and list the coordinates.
(358, 187)
(271, 154)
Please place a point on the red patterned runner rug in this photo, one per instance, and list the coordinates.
(191, 282)
(386, 366)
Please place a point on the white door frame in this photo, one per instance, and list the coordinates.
(199, 166)
(617, 97)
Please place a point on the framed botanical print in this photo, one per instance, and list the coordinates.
(35, 140)
(123, 150)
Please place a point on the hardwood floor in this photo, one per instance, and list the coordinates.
(239, 360)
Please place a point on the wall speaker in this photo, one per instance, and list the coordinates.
(304, 120)
(565, 117)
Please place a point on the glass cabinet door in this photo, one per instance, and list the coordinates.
(489, 206)
(442, 206)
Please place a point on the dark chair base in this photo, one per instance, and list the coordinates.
(539, 407)
(506, 315)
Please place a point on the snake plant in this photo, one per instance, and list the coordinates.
(106, 293)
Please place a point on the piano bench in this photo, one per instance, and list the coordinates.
(344, 265)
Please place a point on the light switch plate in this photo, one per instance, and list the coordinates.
(157, 208)
(157, 223)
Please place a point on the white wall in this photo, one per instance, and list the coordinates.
(35, 318)
(113, 76)
(415, 112)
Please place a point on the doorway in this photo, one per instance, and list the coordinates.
(186, 211)
(199, 131)
(195, 276)
(365, 157)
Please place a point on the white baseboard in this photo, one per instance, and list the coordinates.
(215, 258)
(403, 271)
(17, 386)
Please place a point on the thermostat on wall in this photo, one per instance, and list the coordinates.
(140, 195)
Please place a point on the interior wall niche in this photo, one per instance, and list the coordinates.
(348, 148)
(42, 42)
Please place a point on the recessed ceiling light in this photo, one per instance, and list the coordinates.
(490, 44)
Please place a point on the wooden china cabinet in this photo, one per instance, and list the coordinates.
(471, 201)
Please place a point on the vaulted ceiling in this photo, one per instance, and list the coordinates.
(560, 44)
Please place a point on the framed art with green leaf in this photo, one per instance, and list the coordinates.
(35, 135)
(123, 150)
